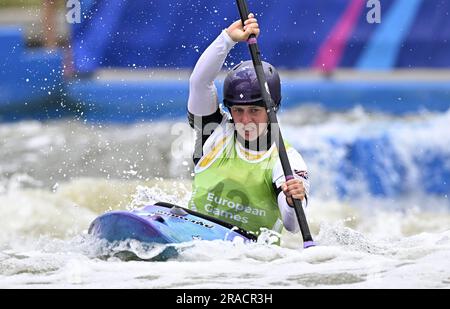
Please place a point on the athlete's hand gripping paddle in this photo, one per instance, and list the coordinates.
(256, 57)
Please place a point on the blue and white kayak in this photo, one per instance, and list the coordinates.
(163, 223)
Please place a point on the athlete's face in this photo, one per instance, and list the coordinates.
(250, 121)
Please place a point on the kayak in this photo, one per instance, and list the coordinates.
(164, 223)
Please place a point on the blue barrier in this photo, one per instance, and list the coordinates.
(114, 101)
(170, 34)
(30, 80)
(394, 97)
(31, 85)
(131, 101)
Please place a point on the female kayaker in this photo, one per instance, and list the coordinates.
(238, 175)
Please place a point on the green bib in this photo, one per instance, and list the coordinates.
(235, 185)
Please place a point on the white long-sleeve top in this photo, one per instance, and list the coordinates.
(203, 98)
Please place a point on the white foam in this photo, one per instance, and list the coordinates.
(400, 241)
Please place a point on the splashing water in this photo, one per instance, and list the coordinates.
(56, 177)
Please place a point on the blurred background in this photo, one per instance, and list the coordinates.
(93, 101)
(83, 73)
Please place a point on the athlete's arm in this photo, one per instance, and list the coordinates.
(204, 114)
(203, 99)
(299, 168)
(203, 104)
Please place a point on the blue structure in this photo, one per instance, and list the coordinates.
(132, 101)
(30, 80)
(295, 34)
(171, 34)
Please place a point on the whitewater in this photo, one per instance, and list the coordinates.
(379, 207)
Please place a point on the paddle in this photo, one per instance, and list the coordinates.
(256, 57)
